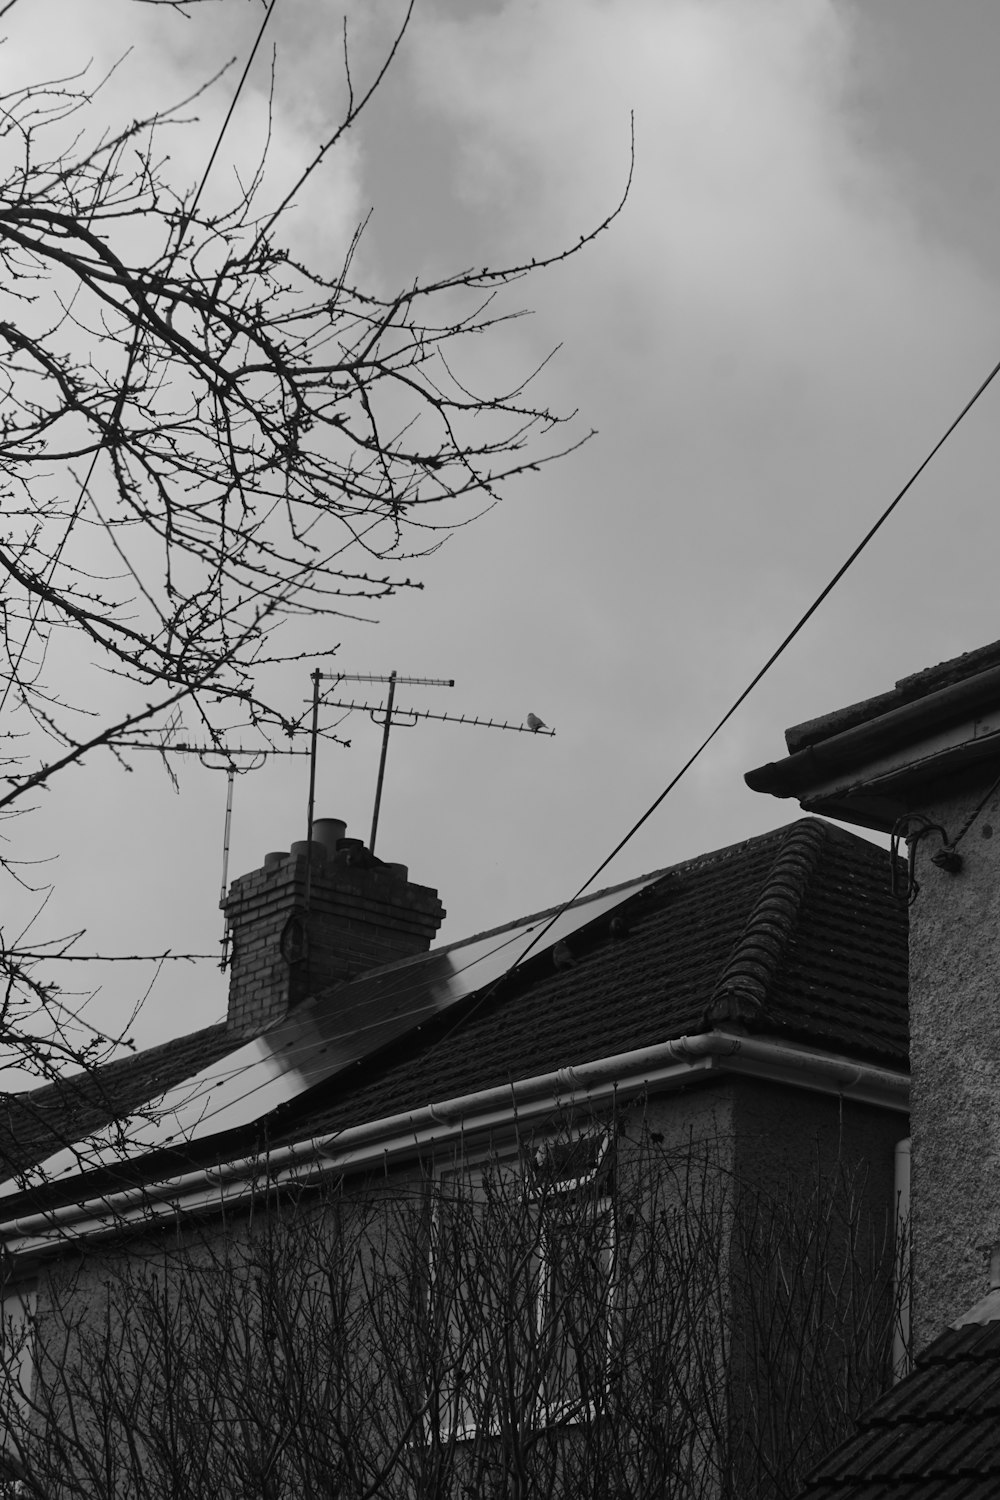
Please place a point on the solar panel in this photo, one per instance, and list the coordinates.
(324, 1035)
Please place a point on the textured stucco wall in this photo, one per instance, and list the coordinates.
(692, 1117)
(955, 1058)
(787, 1136)
(696, 1143)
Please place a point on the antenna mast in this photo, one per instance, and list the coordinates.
(392, 679)
(387, 725)
(390, 715)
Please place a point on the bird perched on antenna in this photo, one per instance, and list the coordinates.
(534, 723)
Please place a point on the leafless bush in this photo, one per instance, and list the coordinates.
(630, 1322)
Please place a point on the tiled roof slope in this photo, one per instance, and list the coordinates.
(794, 933)
(36, 1124)
(935, 1436)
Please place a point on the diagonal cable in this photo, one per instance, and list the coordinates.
(779, 651)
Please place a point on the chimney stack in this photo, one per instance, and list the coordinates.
(316, 916)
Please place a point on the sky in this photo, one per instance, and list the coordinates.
(798, 296)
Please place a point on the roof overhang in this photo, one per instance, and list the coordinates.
(467, 1119)
(870, 772)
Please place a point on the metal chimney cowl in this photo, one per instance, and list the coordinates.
(322, 913)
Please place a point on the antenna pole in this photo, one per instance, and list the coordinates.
(388, 714)
(381, 765)
(230, 777)
(313, 739)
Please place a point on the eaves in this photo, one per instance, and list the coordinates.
(866, 773)
(380, 1144)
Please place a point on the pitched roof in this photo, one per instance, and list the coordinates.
(793, 933)
(935, 1436)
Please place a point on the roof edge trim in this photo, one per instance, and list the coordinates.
(664, 1065)
(848, 749)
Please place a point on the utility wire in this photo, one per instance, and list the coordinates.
(769, 663)
(225, 124)
(737, 703)
(468, 1013)
(133, 352)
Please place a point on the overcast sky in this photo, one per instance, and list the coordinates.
(799, 295)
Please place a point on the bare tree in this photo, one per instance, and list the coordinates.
(204, 436)
(627, 1321)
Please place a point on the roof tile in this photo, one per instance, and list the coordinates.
(936, 1434)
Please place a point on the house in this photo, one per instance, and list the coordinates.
(725, 1039)
(922, 762)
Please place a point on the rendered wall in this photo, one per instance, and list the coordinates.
(955, 1057)
(208, 1293)
(787, 1136)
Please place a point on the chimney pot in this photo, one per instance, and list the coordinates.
(302, 848)
(352, 852)
(328, 832)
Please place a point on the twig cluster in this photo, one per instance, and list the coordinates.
(204, 436)
(653, 1328)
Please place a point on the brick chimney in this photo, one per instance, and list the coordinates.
(315, 916)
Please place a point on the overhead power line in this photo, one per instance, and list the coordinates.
(769, 663)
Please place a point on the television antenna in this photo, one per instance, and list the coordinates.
(385, 715)
(229, 756)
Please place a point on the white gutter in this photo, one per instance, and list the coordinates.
(664, 1066)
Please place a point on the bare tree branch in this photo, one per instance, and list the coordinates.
(203, 436)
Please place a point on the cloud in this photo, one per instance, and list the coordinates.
(756, 220)
(768, 339)
(741, 332)
(155, 60)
